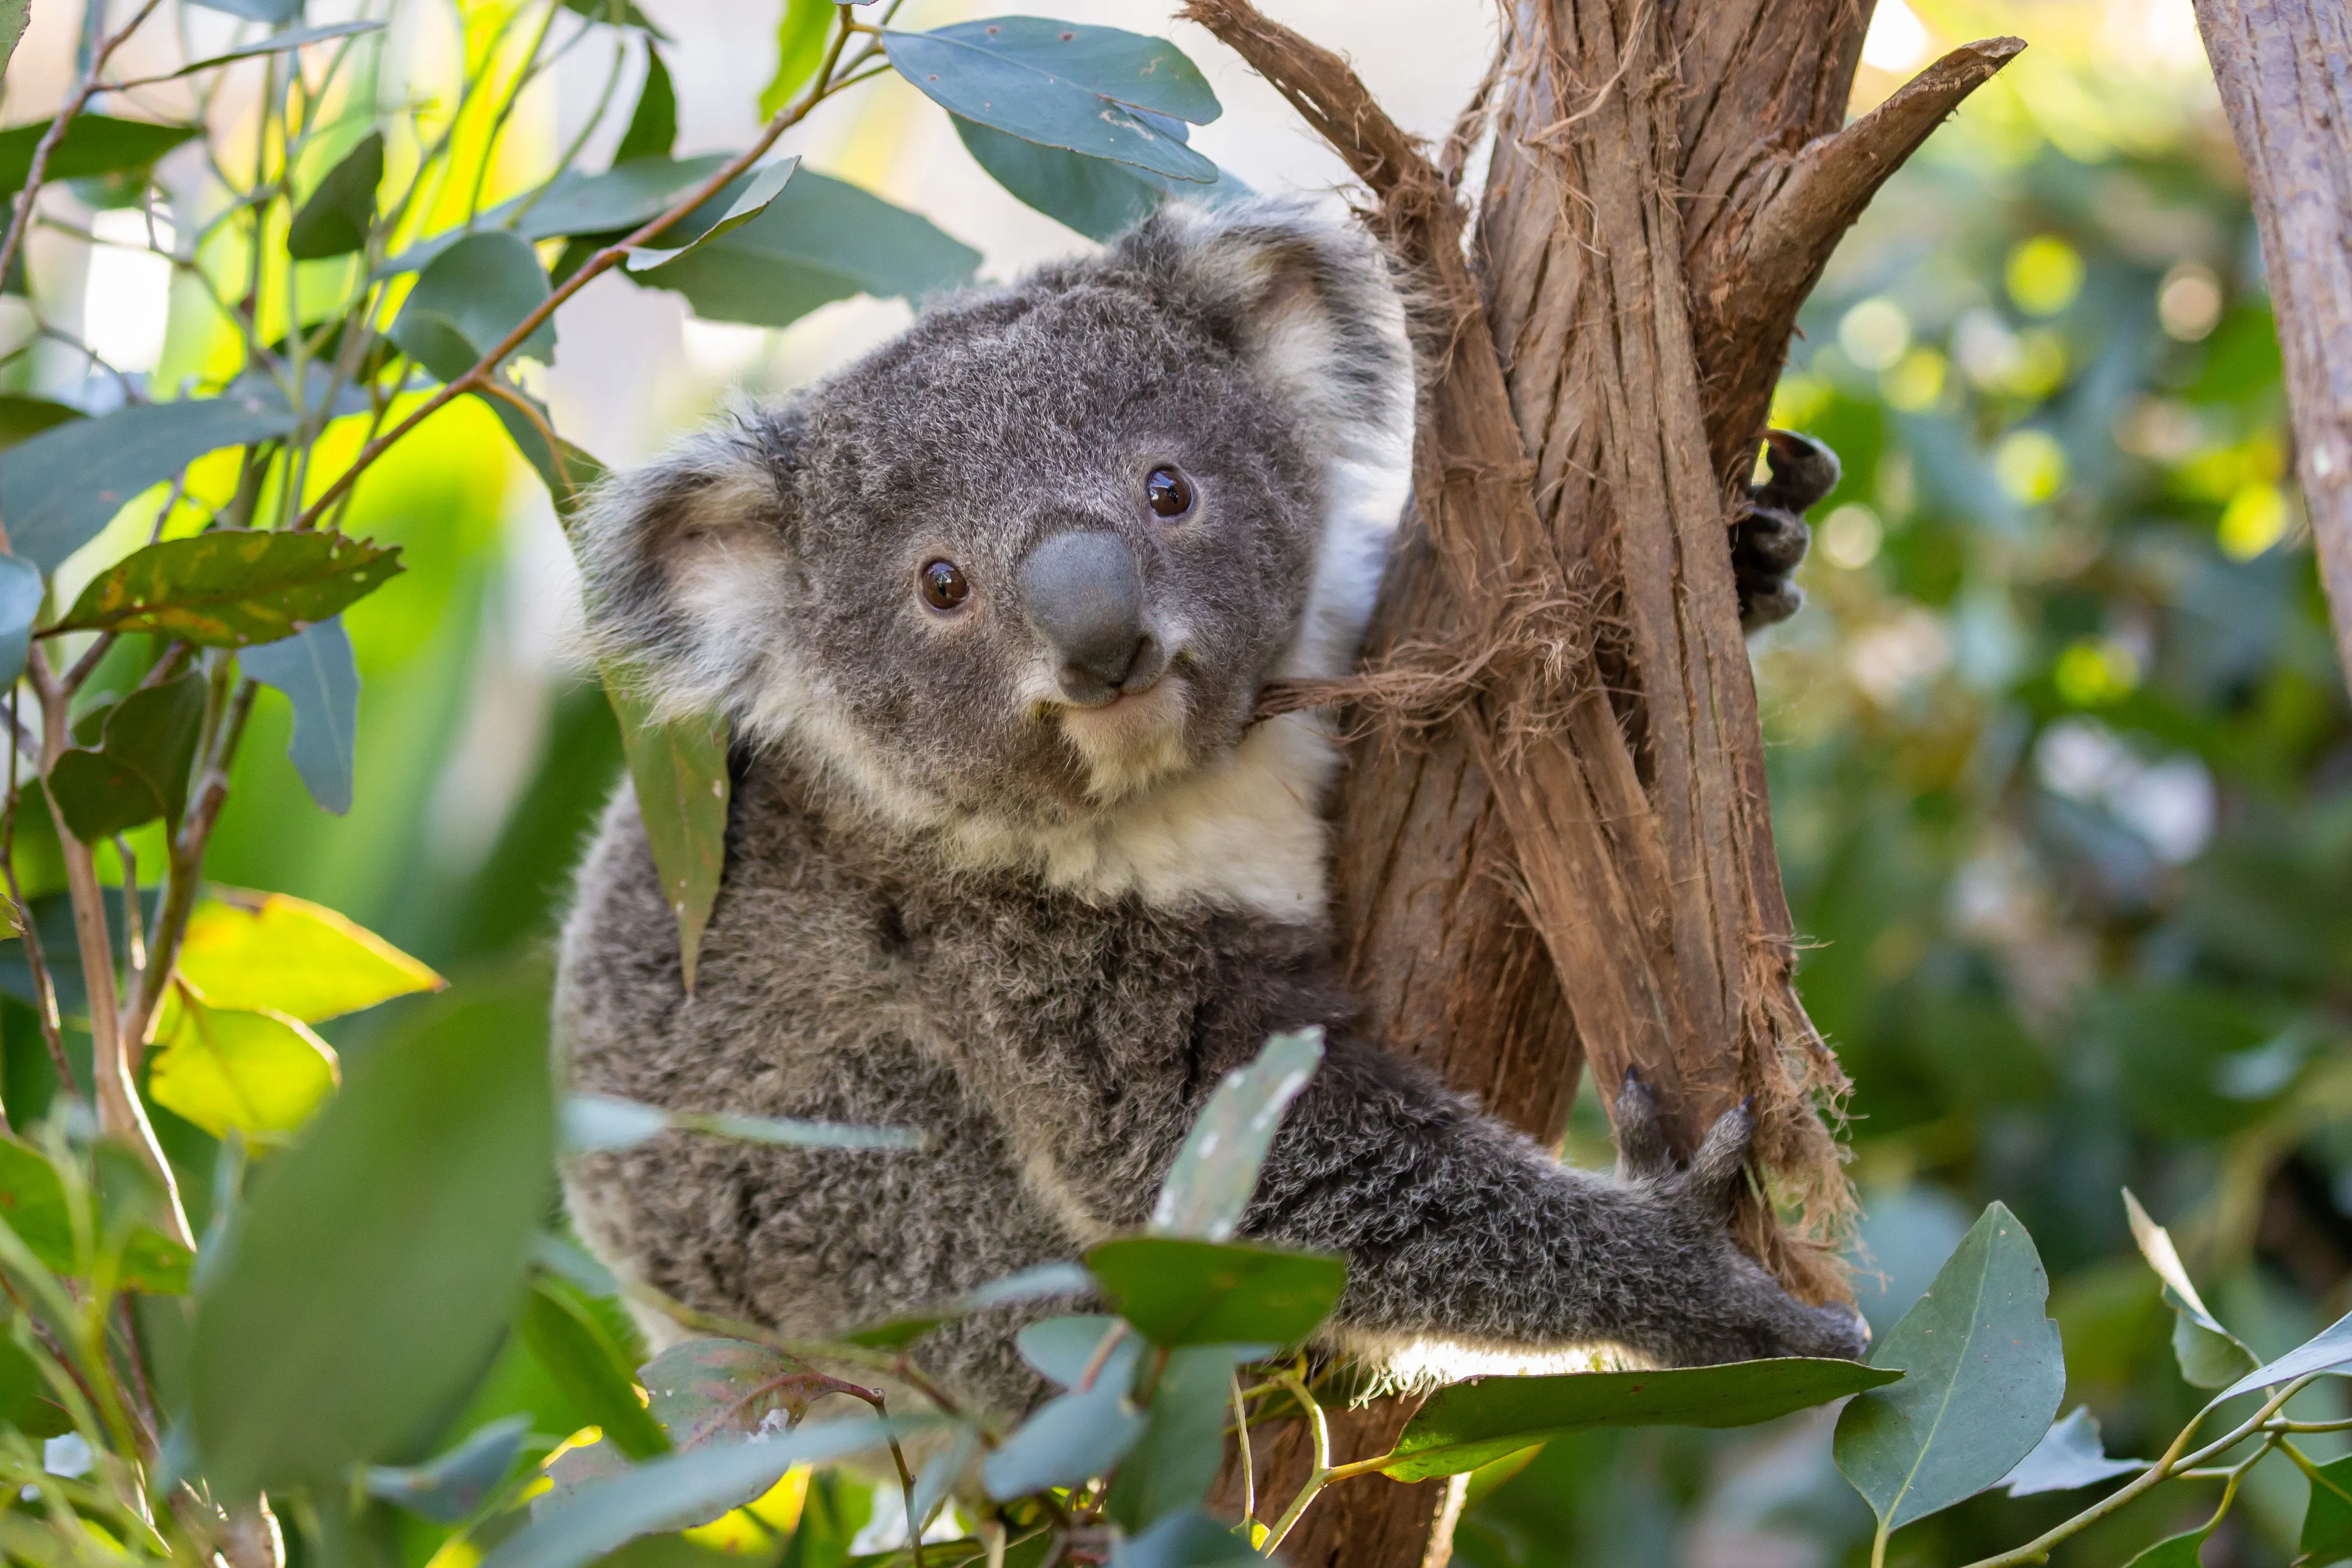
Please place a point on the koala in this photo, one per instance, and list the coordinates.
(1769, 537)
(1011, 859)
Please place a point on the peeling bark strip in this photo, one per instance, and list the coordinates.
(1572, 854)
(2286, 72)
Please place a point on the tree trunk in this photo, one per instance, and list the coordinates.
(2286, 72)
(1554, 841)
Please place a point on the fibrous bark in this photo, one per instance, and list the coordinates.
(2285, 68)
(1554, 840)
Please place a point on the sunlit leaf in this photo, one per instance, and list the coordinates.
(139, 770)
(279, 43)
(601, 1516)
(1176, 1290)
(1470, 1424)
(582, 1360)
(679, 772)
(1065, 85)
(274, 951)
(653, 124)
(1983, 1374)
(315, 671)
(2329, 1351)
(21, 591)
(93, 145)
(2069, 1455)
(33, 1205)
(333, 219)
(822, 239)
(766, 184)
(468, 298)
(2210, 1355)
(449, 1489)
(59, 487)
(800, 36)
(259, 1074)
(228, 588)
(1208, 1187)
(378, 1260)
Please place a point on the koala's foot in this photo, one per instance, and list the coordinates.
(1721, 1304)
(1769, 538)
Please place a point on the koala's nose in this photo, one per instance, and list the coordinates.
(1084, 592)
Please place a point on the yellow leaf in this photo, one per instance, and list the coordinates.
(268, 952)
(260, 1072)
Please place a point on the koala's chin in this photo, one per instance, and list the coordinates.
(1133, 742)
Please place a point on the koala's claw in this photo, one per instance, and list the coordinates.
(1770, 539)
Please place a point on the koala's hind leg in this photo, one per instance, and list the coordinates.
(1770, 539)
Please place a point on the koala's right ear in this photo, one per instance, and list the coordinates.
(686, 562)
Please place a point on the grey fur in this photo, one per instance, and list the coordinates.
(904, 935)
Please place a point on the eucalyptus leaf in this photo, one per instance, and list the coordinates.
(599, 1122)
(2183, 1550)
(942, 1470)
(801, 34)
(579, 1358)
(33, 1199)
(1983, 1375)
(468, 298)
(1064, 84)
(2326, 1535)
(377, 1261)
(679, 772)
(2071, 1454)
(617, 14)
(821, 239)
(653, 124)
(1176, 1290)
(596, 1123)
(22, 416)
(600, 1517)
(1070, 1438)
(317, 672)
(230, 588)
(1040, 1283)
(271, 11)
(1188, 1538)
(272, 950)
(139, 770)
(606, 204)
(1097, 197)
(448, 1489)
(13, 15)
(2329, 1351)
(1209, 1186)
(765, 184)
(2210, 1355)
(1470, 1424)
(1063, 1349)
(93, 145)
(333, 220)
(279, 43)
(1176, 1460)
(718, 1393)
(260, 1075)
(59, 487)
(21, 592)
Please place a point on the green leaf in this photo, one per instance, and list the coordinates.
(273, 11)
(2328, 1519)
(1064, 85)
(13, 15)
(1070, 1438)
(2329, 1351)
(617, 14)
(567, 472)
(260, 1074)
(1983, 1374)
(1176, 1460)
(1474, 1423)
(1093, 195)
(2069, 1455)
(93, 145)
(1040, 1283)
(139, 770)
(449, 1489)
(276, 952)
(653, 124)
(33, 1205)
(59, 487)
(1063, 1349)
(822, 239)
(1182, 1291)
(2175, 1552)
(607, 204)
(22, 416)
(378, 1260)
(801, 36)
(315, 669)
(600, 1121)
(21, 593)
(279, 43)
(2210, 1355)
(753, 197)
(229, 588)
(1188, 1538)
(468, 298)
(1208, 1187)
(599, 1517)
(679, 772)
(335, 217)
(717, 1393)
(573, 1348)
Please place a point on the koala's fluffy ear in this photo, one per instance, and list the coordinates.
(686, 562)
(1311, 302)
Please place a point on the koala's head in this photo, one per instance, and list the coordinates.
(1041, 552)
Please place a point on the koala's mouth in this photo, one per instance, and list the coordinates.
(1133, 741)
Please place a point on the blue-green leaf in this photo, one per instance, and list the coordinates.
(279, 43)
(448, 1488)
(1176, 1460)
(1064, 85)
(753, 196)
(21, 591)
(315, 671)
(600, 1121)
(2069, 1455)
(1983, 1373)
(1098, 198)
(2329, 1351)
(468, 298)
(1188, 1538)
(1210, 1183)
(1068, 1439)
(270, 11)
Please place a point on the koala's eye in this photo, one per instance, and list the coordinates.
(1168, 492)
(944, 585)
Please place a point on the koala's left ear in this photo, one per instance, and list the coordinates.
(1311, 302)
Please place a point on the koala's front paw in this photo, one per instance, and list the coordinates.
(1770, 539)
(1722, 1304)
